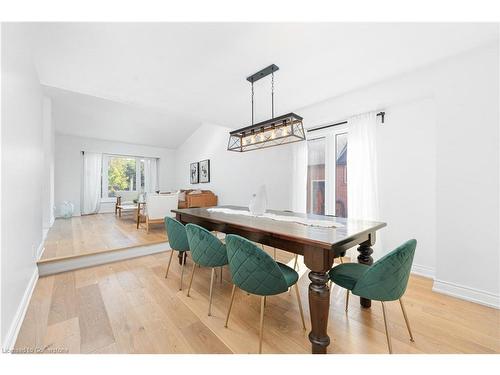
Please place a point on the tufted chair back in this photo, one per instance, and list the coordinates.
(387, 279)
(252, 269)
(206, 249)
(176, 233)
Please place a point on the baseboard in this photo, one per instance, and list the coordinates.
(10, 339)
(424, 271)
(40, 249)
(73, 263)
(467, 293)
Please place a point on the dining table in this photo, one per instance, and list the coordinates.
(318, 244)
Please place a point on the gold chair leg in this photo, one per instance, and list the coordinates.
(182, 270)
(296, 264)
(300, 306)
(191, 279)
(347, 300)
(169, 261)
(274, 253)
(211, 292)
(230, 305)
(406, 319)
(386, 329)
(261, 330)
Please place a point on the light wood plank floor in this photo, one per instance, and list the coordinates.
(97, 233)
(129, 307)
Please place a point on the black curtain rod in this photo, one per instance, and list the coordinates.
(381, 114)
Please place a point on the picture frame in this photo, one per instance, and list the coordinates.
(194, 174)
(204, 171)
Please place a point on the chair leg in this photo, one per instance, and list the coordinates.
(300, 306)
(386, 329)
(191, 279)
(211, 290)
(169, 261)
(296, 264)
(221, 274)
(147, 225)
(182, 270)
(406, 319)
(261, 330)
(347, 300)
(341, 261)
(230, 305)
(274, 253)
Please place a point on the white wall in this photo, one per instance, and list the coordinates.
(439, 167)
(236, 176)
(68, 165)
(48, 167)
(22, 171)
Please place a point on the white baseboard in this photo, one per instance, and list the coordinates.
(57, 266)
(15, 326)
(467, 293)
(424, 271)
(40, 249)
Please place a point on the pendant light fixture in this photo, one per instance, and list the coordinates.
(273, 132)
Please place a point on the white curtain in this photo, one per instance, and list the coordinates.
(299, 177)
(150, 175)
(91, 196)
(362, 184)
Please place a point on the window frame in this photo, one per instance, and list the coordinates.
(330, 187)
(105, 170)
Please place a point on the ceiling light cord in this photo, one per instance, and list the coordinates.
(272, 95)
(252, 104)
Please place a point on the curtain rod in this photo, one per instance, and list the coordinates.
(381, 114)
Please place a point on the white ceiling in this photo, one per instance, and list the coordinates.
(166, 78)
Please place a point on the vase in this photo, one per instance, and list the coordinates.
(258, 203)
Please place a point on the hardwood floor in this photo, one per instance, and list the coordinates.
(97, 233)
(129, 307)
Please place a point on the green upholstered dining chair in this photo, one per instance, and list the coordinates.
(386, 280)
(178, 241)
(255, 272)
(207, 250)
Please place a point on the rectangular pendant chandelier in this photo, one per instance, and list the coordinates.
(273, 132)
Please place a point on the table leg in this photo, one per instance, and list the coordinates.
(182, 257)
(319, 262)
(365, 251)
(319, 306)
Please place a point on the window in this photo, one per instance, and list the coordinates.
(128, 174)
(316, 176)
(341, 174)
(327, 180)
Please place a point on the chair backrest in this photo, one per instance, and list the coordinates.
(206, 249)
(176, 232)
(387, 278)
(158, 206)
(252, 269)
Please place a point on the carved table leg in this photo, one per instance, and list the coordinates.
(319, 261)
(365, 251)
(319, 305)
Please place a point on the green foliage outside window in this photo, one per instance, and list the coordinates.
(121, 175)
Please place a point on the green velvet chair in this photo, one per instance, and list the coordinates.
(255, 272)
(178, 241)
(386, 280)
(207, 250)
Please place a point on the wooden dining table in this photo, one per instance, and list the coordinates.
(318, 244)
